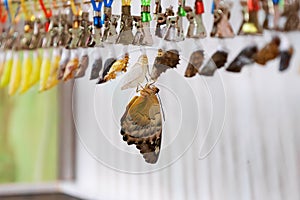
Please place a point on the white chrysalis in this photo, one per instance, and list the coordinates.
(136, 74)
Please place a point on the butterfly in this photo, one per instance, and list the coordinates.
(137, 73)
(196, 60)
(141, 124)
(165, 60)
(118, 66)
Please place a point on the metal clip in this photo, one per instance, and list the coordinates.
(126, 36)
(221, 27)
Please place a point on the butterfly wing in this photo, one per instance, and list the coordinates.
(141, 125)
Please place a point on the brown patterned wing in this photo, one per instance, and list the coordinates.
(141, 125)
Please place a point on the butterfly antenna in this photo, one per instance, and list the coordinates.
(162, 109)
(146, 78)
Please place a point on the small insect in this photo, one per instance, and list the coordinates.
(245, 57)
(218, 60)
(141, 123)
(268, 52)
(165, 60)
(118, 66)
(137, 73)
(196, 60)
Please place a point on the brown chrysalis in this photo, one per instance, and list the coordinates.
(196, 60)
(107, 65)
(97, 66)
(268, 52)
(141, 123)
(83, 65)
(165, 60)
(245, 57)
(285, 58)
(117, 66)
(218, 60)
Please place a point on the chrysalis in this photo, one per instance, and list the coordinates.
(16, 75)
(245, 57)
(141, 123)
(45, 70)
(83, 65)
(97, 65)
(286, 53)
(71, 66)
(136, 74)
(285, 58)
(196, 60)
(218, 60)
(165, 60)
(7, 69)
(118, 66)
(107, 65)
(2, 62)
(26, 72)
(268, 52)
(65, 57)
(36, 68)
(53, 81)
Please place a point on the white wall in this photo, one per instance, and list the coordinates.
(256, 112)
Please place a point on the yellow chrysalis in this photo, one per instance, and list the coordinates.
(7, 69)
(16, 74)
(2, 62)
(36, 68)
(26, 72)
(45, 70)
(53, 81)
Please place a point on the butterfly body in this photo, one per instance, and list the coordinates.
(141, 123)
